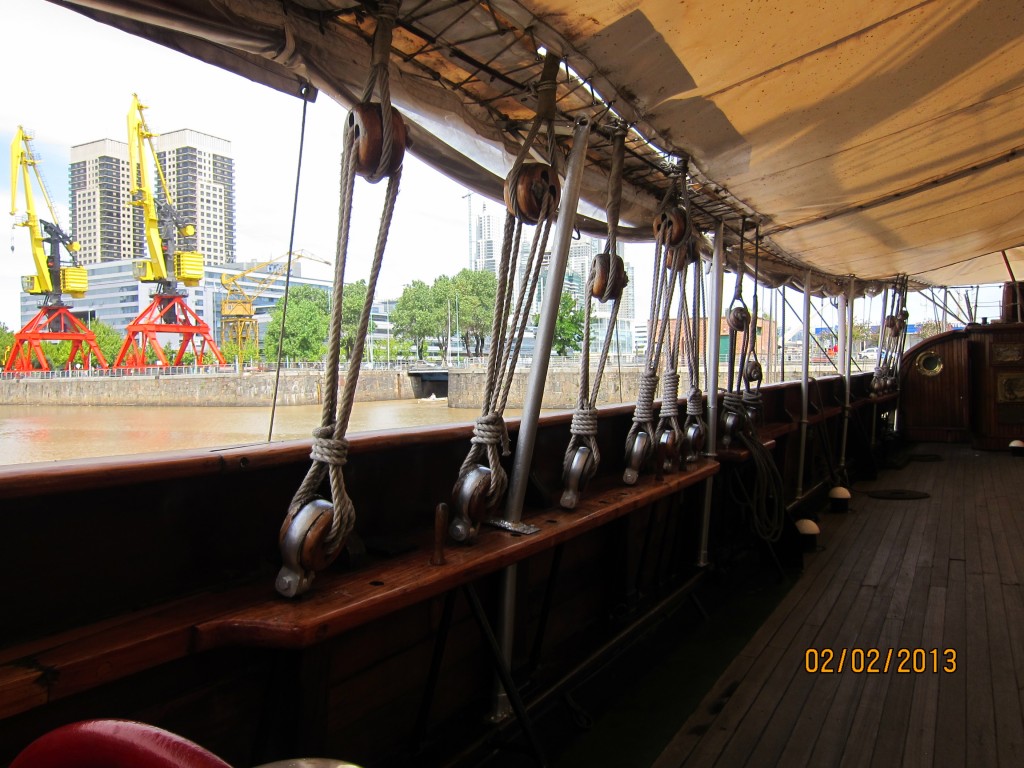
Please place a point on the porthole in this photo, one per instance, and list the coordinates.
(929, 363)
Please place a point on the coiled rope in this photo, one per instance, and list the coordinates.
(329, 453)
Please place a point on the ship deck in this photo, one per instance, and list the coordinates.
(939, 573)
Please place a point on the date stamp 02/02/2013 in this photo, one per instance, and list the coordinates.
(879, 660)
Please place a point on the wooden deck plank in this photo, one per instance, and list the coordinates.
(951, 723)
(981, 732)
(1005, 694)
(941, 573)
(782, 698)
(836, 530)
(919, 749)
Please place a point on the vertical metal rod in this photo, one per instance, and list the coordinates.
(841, 353)
(945, 309)
(714, 321)
(805, 385)
(535, 384)
(881, 325)
(782, 360)
(848, 361)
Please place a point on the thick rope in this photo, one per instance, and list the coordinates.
(510, 319)
(329, 452)
(584, 425)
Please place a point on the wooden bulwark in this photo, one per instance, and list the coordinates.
(941, 573)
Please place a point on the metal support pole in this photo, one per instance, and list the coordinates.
(848, 362)
(535, 384)
(841, 352)
(714, 321)
(805, 385)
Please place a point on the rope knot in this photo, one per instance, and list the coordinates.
(694, 402)
(644, 412)
(327, 449)
(490, 430)
(670, 394)
(584, 422)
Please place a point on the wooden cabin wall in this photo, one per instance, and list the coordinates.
(977, 396)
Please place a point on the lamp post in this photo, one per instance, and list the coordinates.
(457, 335)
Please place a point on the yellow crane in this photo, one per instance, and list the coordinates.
(237, 311)
(53, 278)
(169, 311)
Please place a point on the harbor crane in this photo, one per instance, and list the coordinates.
(237, 311)
(55, 275)
(168, 312)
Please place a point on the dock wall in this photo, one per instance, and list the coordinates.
(298, 387)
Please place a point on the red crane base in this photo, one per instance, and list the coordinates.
(166, 314)
(53, 323)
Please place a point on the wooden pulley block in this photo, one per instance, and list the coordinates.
(605, 287)
(739, 319)
(535, 180)
(890, 322)
(368, 143)
(671, 226)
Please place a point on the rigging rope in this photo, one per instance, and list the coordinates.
(314, 530)
(531, 196)
(672, 230)
(606, 280)
(304, 90)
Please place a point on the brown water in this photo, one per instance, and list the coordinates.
(46, 433)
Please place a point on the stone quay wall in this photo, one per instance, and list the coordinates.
(299, 387)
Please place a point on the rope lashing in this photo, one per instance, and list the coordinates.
(532, 194)
(671, 228)
(373, 147)
(694, 428)
(606, 281)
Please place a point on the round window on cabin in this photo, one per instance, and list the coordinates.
(928, 363)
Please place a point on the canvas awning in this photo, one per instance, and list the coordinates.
(869, 139)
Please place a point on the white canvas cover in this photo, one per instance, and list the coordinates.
(871, 139)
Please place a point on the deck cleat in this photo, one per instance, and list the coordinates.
(469, 500)
(302, 547)
(635, 455)
(576, 475)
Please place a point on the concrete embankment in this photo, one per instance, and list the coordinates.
(298, 387)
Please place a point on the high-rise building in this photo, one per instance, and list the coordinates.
(108, 227)
(200, 177)
(486, 230)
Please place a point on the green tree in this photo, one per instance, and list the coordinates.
(442, 296)
(353, 298)
(6, 343)
(568, 335)
(245, 353)
(107, 339)
(413, 316)
(475, 292)
(929, 328)
(306, 326)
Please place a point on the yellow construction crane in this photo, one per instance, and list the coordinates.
(169, 311)
(50, 279)
(53, 277)
(238, 314)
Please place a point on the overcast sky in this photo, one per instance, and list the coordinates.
(70, 80)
